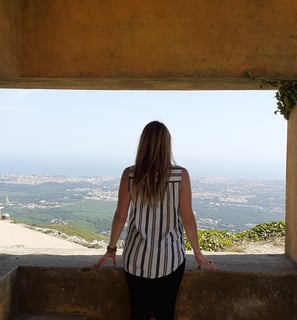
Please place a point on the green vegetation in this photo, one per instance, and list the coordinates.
(210, 240)
(286, 96)
(214, 240)
(89, 215)
(72, 231)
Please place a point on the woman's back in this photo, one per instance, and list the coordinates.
(155, 240)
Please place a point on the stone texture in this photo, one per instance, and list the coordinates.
(51, 317)
(149, 44)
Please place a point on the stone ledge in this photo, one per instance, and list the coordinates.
(51, 317)
(101, 293)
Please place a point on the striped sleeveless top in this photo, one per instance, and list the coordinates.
(154, 245)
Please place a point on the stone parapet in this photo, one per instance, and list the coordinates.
(102, 294)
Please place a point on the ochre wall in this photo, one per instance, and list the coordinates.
(10, 40)
(150, 44)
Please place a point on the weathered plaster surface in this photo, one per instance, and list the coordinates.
(145, 44)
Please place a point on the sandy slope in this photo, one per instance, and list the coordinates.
(19, 236)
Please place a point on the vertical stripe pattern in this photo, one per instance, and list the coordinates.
(154, 245)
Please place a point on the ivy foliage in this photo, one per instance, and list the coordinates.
(286, 96)
(266, 231)
(214, 240)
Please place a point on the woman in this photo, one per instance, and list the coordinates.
(160, 199)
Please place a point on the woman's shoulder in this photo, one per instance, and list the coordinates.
(178, 173)
(130, 168)
(179, 168)
(182, 172)
(128, 171)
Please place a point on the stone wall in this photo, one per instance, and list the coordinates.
(7, 284)
(102, 294)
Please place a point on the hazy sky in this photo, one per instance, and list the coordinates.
(214, 133)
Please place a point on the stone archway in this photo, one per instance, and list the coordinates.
(164, 45)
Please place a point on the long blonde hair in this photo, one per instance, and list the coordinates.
(152, 164)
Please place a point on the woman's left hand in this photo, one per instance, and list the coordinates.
(202, 260)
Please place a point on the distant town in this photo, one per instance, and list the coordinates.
(223, 204)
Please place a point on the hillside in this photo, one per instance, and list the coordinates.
(14, 235)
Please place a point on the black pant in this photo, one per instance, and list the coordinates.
(154, 296)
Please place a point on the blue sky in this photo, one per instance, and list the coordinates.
(232, 134)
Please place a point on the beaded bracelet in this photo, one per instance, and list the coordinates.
(111, 250)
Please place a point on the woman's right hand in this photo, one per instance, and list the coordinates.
(106, 256)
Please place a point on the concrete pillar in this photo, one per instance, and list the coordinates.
(291, 187)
